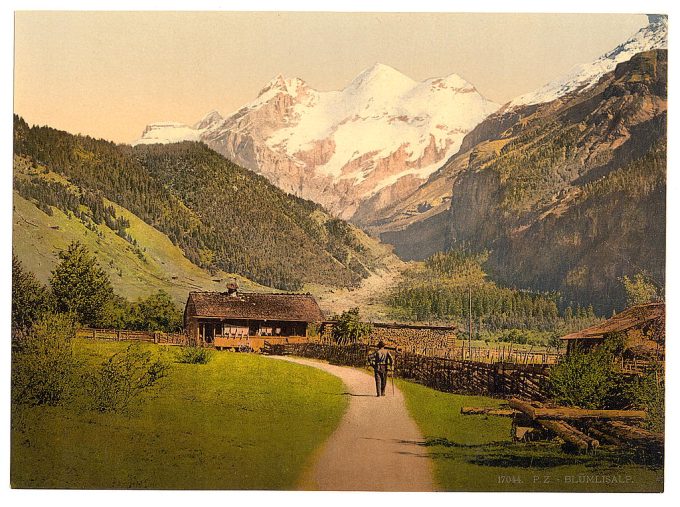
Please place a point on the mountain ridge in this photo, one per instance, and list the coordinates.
(384, 133)
(524, 190)
(432, 196)
(223, 217)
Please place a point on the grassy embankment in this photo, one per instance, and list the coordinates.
(37, 237)
(476, 453)
(240, 422)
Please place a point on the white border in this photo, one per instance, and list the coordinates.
(116, 498)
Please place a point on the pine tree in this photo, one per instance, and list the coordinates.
(80, 286)
(30, 298)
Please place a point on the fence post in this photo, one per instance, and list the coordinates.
(118, 334)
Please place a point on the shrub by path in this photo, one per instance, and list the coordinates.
(376, 447)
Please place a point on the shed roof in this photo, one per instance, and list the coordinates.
(635, 316)
(248, 305)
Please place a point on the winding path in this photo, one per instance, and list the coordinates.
(376, 447)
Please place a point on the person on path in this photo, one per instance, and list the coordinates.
(381, 361)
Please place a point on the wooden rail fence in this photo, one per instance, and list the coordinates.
(126, 335)
(527, 381)
(446, 342)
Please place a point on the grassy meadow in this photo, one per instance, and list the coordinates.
(476, 453)
(241, 421)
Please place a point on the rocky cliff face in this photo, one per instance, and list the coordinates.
(355, 151)
(413, 215)
(574, 197)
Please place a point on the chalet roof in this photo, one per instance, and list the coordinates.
(635, 316)
(248, 305)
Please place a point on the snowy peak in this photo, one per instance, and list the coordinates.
(378, 79)
(167, 132)
(280, 84)
(452, 82)
(384, 133)
(379, 72)
(584, 76)
(209, 120)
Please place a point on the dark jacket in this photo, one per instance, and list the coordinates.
(381, 358)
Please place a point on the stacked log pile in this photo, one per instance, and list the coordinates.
(580, 429)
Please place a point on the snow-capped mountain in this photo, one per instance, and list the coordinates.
(168, 132)
(377, 139)
(584, 76)
(416, 223)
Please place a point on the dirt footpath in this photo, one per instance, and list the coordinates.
(376, 447)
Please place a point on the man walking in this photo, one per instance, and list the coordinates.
(381, 361)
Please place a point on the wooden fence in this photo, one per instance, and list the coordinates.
(527, 381)
(447, 342)
(126, 335)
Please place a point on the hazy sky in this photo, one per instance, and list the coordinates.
(109, 74)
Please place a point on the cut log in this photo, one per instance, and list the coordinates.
(523, 407)
(503, 412)
(566, 413)
(633, 434)
(578, 413)
(570, 434)
(605, 437)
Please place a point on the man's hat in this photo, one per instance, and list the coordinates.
(381, 344)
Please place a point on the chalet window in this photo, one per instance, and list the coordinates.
(234, 331)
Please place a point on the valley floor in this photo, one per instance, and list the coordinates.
(476, 453)
(245, 421)
(241, 421)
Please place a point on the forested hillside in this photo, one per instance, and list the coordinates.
(223, 217)
(447, 284)
(566, 196)
(572, 197)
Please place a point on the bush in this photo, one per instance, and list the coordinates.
(585, 379)
(43, 362)
(157, 312)
(194, 355)
(646, 392)
(349, 329)
(122, 378)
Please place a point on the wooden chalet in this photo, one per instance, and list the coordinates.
(642, 328)
(244, 321)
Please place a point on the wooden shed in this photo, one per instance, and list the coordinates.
(642, 328)
(242, 320)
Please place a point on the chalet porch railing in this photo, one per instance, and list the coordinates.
(246, 343)
(128, 335)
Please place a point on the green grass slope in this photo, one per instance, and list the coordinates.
(37, 237)
(240, 422)
(476, 453)
(221, 216)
